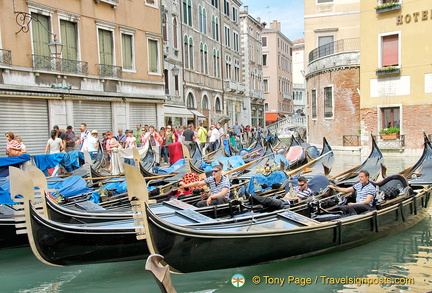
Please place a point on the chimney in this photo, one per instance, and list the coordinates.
(275, 25)
(259, 19)
(246, 9)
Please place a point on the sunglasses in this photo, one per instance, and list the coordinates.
(301, 185)
(215, 171)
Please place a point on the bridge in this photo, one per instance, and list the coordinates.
(287, 123)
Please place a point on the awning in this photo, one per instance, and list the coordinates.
(198, 114)
(177, 112)
(271, 117)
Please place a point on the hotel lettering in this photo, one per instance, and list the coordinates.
(414, 17)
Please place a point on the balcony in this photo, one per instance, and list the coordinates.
(240, 88)
(230, 86)
(113, 3)
(257, 94)
(110, 70)
(59, 64)
(5, 57)
(286, 96)
(344, 45)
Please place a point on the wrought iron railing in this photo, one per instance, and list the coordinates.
(59, 64)
(110, 70)
(335, 47)
(5, 57)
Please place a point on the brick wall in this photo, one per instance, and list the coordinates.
(346, 106)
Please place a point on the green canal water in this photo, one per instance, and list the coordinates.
(407, 254)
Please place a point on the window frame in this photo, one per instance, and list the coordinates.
(314, 109)
(380, 48)
(326, 106)
(132, 35)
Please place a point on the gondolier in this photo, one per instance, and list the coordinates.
(365, 193)
(219, 187)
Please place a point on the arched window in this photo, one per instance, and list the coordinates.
(218, 106)
(205, 103)
(191, 54)
(202, 57)
(200, 19)
(205, 60)
(190, 104)
(186, 51)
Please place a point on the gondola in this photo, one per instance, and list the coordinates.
(277, 236)
(421, 172)
(374, 164)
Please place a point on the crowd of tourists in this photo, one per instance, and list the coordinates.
(66, 140)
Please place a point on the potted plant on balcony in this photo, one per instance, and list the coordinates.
(387, 70)
(390, 133)
(388, 7)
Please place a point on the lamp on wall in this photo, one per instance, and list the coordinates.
(175, 70)
(23, 19)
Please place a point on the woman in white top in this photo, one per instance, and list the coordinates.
(55, 145)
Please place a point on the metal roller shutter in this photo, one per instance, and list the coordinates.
(142, 113)
(97, 115)
(27, 118)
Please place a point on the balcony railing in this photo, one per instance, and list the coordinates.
(257, 94)
(110, 70)
(113, 3)
(59, 64)
(335, 47)
(5, 57)
(286, 96)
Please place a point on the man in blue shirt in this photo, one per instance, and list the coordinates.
(365, 193)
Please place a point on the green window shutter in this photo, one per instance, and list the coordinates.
(153, 55)
(69, 40)
(127, 51)
(41, 34)
(105, 47)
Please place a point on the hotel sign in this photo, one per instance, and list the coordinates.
(414, 17)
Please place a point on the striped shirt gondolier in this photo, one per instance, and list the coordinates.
(362, 191)
(303, 193)
(216, 188)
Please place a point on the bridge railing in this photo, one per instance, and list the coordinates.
(288, 122)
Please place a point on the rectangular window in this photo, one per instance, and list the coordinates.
(266, 85)
(390, 50)
(41, 34)
(324, 1)
(226, 8)
(106, 47)
(236, 41)
(264, 59)
(314, 104)
(127, 51)
(325, 46)
(264, 41)
(153, 56)
(328, 102)
(69, 40)
(388, 1)
(227, 37)
(234, 14)
(390, 117)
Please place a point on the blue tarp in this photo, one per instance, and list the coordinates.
(227, 147)
(11, 161)
(5, 197)
(256, 181)
(45, 162)
(119, 184)
(174, 167)
(72, 160)
(71, 186)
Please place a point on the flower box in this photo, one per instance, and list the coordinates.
(387, 71)
(386, 7)
(388, 136)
